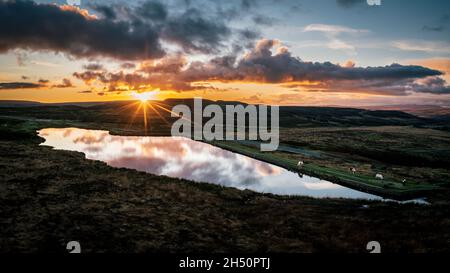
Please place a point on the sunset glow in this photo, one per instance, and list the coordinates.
(343, 53)
(146, 96)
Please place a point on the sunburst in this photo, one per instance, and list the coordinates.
(145, 96)
(147, 102)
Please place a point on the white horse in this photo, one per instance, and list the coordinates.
(379, 176)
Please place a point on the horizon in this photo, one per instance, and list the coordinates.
(220, 100)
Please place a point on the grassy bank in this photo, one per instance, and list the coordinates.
(385, 188)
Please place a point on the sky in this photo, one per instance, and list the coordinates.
(281, 52)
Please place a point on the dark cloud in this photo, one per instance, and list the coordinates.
(43, 81)
(114, 81)
(129, 33)
(107, 11)
(153, 10)
(195, 30)
(195, 33)
(269, 62)
(162, 74)
(89, 76)
(169, 65)
(19, 85)
(262, 65)
(248, 35)
(28, 25)
(432, 85)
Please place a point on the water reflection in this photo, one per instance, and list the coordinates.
(196, 161)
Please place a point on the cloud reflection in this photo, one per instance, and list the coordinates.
(192, 160)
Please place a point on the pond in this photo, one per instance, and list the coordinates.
(196, 161)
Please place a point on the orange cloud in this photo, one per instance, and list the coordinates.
(270, 63)
(441, 64)
(78, 10)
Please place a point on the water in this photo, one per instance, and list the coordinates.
(192, 160)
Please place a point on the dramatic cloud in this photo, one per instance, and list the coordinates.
(204, 45)
(119, 32)
(27, 25)
(193, 30)
(269, 62)
(262, 65)
(137, 81)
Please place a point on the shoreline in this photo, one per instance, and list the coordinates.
(403, 195)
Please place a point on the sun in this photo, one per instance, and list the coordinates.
(145, 96)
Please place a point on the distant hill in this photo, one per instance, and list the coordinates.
(334, 116)
(304, 116)
(21, 103)
(18, 103)
(290, 116)
(418, 110)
